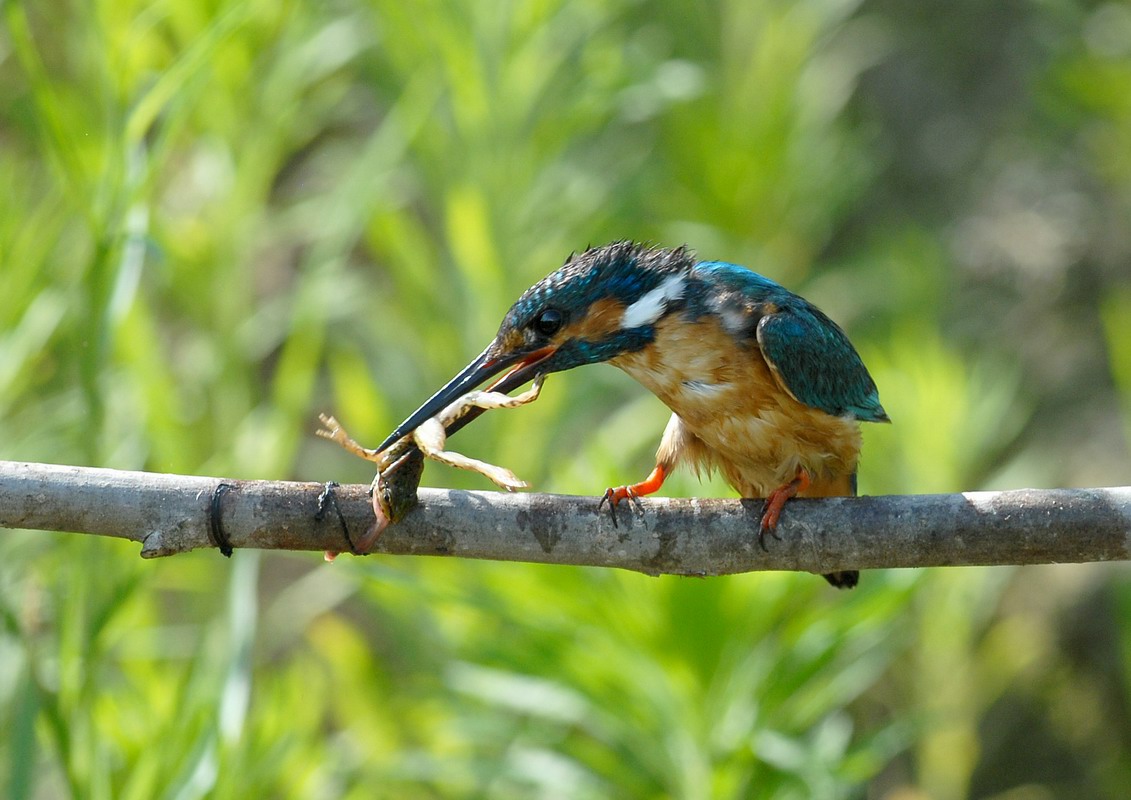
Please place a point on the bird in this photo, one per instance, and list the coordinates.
(763, 387)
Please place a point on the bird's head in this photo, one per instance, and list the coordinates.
(599, 304)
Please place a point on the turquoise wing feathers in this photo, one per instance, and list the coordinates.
(814, 360)
(808, 352)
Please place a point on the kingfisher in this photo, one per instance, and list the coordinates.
(763, 387)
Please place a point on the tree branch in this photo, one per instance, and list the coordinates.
(170, 514)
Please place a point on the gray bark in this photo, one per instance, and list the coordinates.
(170, 514)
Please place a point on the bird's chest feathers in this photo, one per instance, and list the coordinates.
(729, 399)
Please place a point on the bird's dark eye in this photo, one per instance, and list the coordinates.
(548, 322)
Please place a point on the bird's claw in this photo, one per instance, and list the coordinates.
(614, 496)
(607, 497)
(768, 526)
(775, 502)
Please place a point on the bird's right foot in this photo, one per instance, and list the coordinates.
(649, 485)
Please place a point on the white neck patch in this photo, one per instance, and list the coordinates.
(652, 305)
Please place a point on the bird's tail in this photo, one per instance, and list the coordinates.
(845, 579)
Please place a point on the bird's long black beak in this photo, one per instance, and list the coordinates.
(485, 366)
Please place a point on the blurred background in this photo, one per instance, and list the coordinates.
(219, 218)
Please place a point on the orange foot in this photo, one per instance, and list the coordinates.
(771, 512)
(649, 485)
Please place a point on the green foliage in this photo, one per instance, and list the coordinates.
(219, 218)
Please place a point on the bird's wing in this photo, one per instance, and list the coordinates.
(817, 364)
(809, 354)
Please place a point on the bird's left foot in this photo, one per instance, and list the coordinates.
(771, 512)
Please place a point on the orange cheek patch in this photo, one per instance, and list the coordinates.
(603, 319)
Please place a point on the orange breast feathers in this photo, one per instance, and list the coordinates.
(732, 414)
